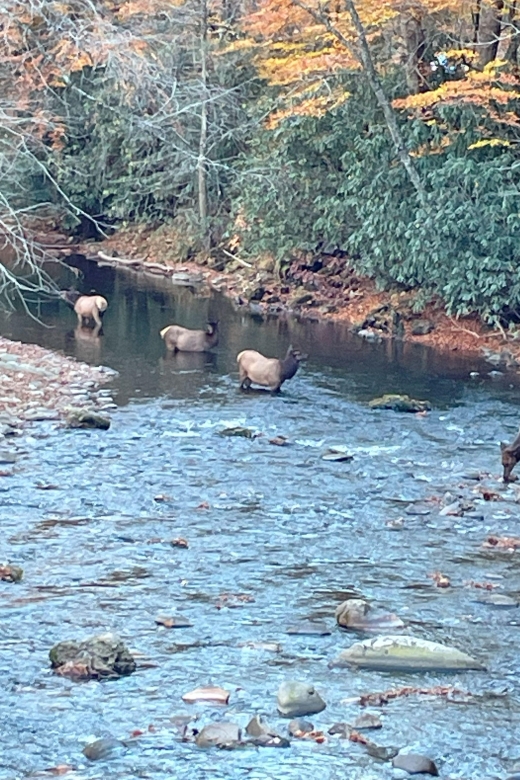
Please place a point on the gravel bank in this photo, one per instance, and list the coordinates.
(38, 384)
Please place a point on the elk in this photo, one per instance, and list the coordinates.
(88, 308)
(267, 372)
(510, 457)
(179, 339)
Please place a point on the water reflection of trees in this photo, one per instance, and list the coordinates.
(140, 306)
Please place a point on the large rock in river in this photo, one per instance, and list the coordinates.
(102, 655)
(405, 653)
(296, 699)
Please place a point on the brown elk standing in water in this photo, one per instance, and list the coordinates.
(179, 339)
(510, 457)
(267, 372)
(88, 308)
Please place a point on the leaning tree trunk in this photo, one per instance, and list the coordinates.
(488, 33)
(415, 44)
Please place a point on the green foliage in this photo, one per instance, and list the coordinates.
(334, 183)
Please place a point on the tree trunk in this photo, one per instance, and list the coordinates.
(203, 139)
(489, 27)
(514, 31)
(388, 111)
(364, 56)
(413, 36)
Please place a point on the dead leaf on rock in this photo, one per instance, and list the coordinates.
(315, 736)
(233, 600)
(211, 694)
(384, 697)
(179, 542)
(502, 542)
(481, 585)
(356, 736)
(75, 671)
(279, 441)
(489, 495)
(440, 580)
(203, 505)
(59, 769)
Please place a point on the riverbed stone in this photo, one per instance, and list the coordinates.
(399, 403)
(10, 573)
(86, 418)
(257, 727)
(102, 749)
(297, 699)
(367, 720)
(299, 726)
(223, 734)
(405, 653)
(357, 615)
(415, 764)
(102, 655)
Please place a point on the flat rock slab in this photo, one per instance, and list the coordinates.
(224, 734)
(309, 628)
(211, 694)
(7, 456)
(498, 600)
(415, 764)
(405, 653)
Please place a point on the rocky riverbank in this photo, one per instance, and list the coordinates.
(38, 384)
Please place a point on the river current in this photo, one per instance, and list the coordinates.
(277, 536)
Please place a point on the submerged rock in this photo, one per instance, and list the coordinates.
(238, 430)
(296, 699)
(103, 749)
(405, 652)
(102, 655)
(223, 734)
(299, 726)
(399, 403)
(367, 720)
(415, 764)
(11, 573)
(355, 615)
(309, 628)
(86, 418)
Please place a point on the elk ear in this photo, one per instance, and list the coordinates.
(503, 446)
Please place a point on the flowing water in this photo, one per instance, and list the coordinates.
(276, 536)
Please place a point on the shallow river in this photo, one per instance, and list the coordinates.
(286, 536)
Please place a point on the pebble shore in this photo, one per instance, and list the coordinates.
(38, 384)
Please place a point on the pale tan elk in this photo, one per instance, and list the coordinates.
(179, 339)
(267, 372)
(88, 308)
(510, 457)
